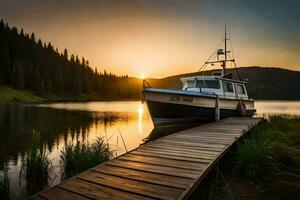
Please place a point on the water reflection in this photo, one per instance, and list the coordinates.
(277, 107)
(70, 122)
(67, 122)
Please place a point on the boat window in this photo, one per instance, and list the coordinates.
(190, 83)
(200, 84)
(240, 89)
(214, 84)
(228, 87)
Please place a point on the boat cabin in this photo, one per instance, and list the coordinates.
(222, 87)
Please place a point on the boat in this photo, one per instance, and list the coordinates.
(203, 97)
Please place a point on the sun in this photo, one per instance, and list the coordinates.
(142, 75)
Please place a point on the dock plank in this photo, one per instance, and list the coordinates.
(193, 144)
(158, 179)
(132, 186)
(199, 140)
(164, 145)
(59, 193)
(164, 162)
(177, 154)
(180, 150)
(172, 157)
(172, 171)
(97, 191)
(167, 168)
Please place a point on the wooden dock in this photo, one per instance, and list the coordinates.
(170, 167)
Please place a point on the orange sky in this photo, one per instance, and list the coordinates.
(160, 38)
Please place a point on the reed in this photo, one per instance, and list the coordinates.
(272, 147)
(264, 165)
(36, 165)
(81, 156)
(4, 182)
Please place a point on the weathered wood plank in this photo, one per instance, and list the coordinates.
(183, 173)
(209, 136)
(194, 144)
(164, 162)
(132, 186)
(59, 193)
(180, 150)
(147, 177)
(154, 154)
(177, 154)
(96, 191)
(36, 197)
(198, 140)
(203, 135)
(166, 145)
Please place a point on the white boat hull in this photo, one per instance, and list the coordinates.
(168, 106)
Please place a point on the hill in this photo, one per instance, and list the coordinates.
(265, 83)
(31, 65)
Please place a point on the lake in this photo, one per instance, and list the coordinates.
(62, 123)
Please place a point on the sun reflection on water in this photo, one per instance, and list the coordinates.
(140, 112)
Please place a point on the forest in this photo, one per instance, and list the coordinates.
(27, 63)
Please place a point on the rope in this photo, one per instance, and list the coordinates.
(231, 44)
(238, 73)
(201, 68)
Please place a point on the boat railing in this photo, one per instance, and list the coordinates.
(146, 84)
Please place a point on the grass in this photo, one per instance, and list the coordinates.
(36, 165)
(254, 157)
(263, 165)
(8, 94)
(81, 156)
(4, 182)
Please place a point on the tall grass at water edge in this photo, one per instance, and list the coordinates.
(81, 156)
(265, 164)
(254, 157)
(4, 182)
(272, 148)
(36, 165)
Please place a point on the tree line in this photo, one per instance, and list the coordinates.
(28, 63)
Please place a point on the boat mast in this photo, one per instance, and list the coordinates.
(225, 54)
(221, 52)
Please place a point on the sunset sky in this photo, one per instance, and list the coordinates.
(162, 37)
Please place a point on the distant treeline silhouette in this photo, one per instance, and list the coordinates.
(28, 63)
(263, 82)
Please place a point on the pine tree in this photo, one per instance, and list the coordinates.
(66, 54)
(32, 37)
(40, 87)
(58, 82)
(17, 76)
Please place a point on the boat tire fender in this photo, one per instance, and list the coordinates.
(241, 109)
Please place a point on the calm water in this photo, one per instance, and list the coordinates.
(71, 122)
